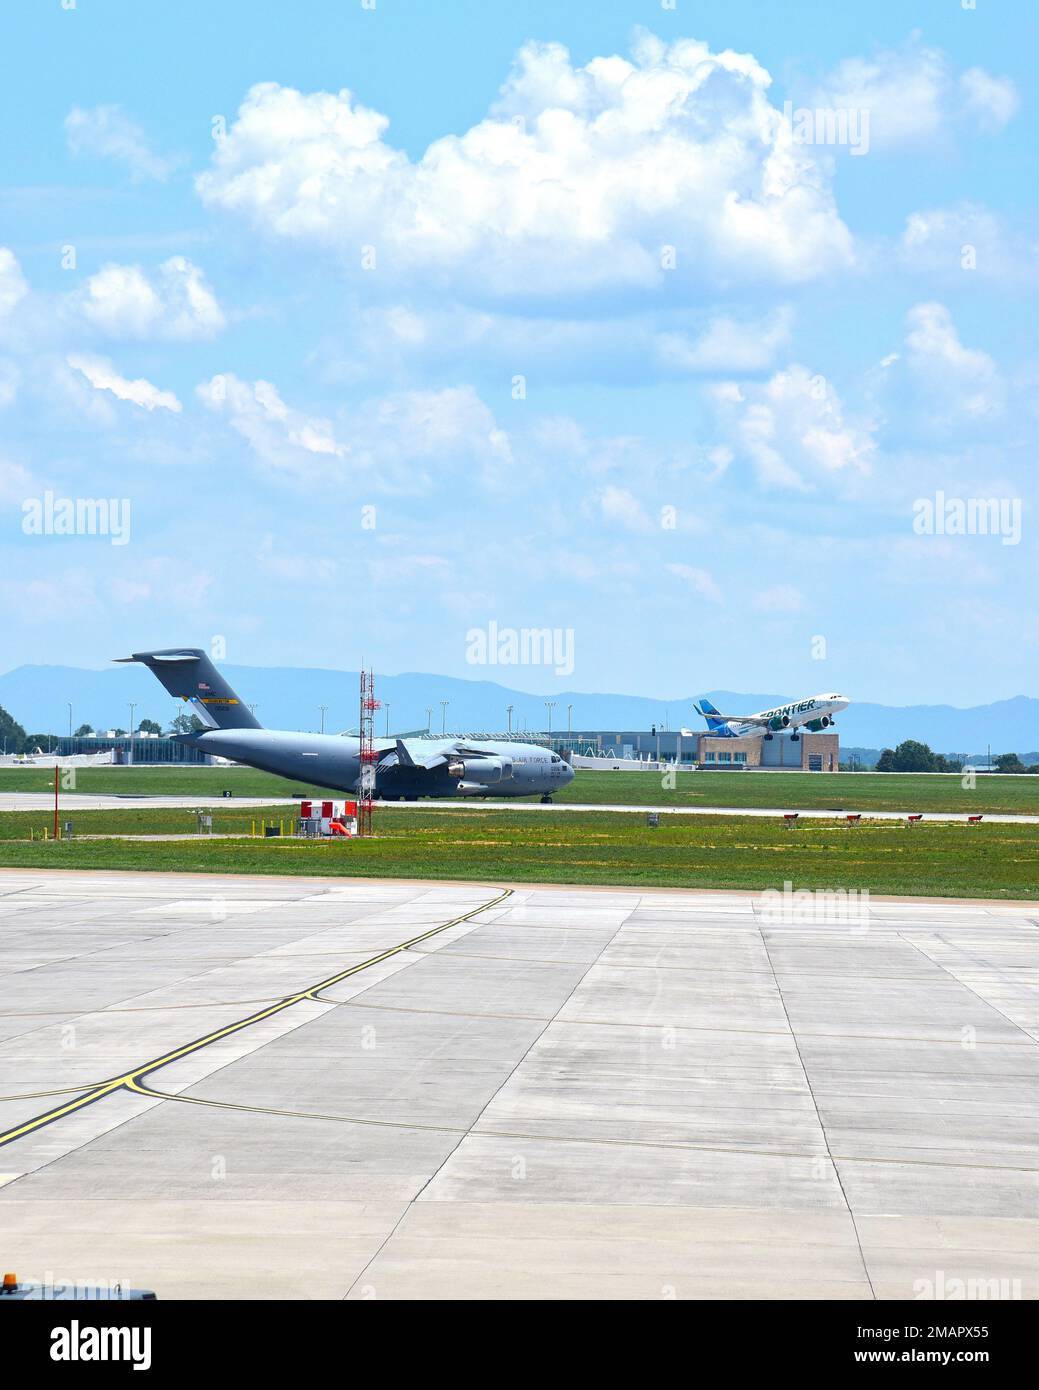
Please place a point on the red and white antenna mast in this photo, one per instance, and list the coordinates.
(369, 757)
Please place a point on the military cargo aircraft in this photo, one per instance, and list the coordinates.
(405, 768)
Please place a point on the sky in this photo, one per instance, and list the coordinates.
(698, 338)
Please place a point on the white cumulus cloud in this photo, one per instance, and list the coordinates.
(727, 345)
(699, 580)
(781, 598)
(619, 507)
(104, 377)
(109, 133)
(914, 97)
(280, 436)
(993, 100)
(13, 286)
(966, 237)
(16, 482)
(10, 380)
(937, 379)
(123, 301)
(398, 441)
(792, 429)
(580, 178)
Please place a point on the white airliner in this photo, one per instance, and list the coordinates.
(814, 714)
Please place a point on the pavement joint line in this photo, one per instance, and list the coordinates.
(123, 1081)
(599, 1140)
(149, 1008)
(819, 1120)
(679, 1027)
(469, 1131)
(980, 998)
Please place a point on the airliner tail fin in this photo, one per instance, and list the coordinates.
(708, 712)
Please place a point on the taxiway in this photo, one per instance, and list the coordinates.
(273, 1088)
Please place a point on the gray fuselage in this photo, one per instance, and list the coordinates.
(502, 769)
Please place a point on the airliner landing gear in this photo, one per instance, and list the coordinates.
(795, 738)
(768, 737)
(546, 800)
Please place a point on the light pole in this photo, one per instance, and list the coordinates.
(322, 708)
(508, 711)
(569, 719)
(443, 715)
(386, 707)
(429, 718)
(550, 706)
(69, 703)
(133, 706)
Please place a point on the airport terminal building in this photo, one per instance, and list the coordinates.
(809, 753)
(141, 748)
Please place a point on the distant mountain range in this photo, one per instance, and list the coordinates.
(290, 697)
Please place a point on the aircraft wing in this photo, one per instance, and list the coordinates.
(405, 758)
(454, 748)
(733, 718)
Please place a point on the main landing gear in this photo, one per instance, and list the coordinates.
(546, 800)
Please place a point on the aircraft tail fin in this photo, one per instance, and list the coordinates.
(710, 713)
(188, 674)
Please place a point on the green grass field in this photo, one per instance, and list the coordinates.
(951, 860)
(863, 791)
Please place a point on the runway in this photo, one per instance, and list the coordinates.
(220, 1087)
(82, 801)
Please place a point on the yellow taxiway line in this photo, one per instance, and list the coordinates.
(129, 1080)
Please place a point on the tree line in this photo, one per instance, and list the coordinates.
(911, 756)
(14, 739)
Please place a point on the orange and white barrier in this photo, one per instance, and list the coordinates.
(330, 817)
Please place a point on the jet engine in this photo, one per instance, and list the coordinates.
(483, 772)
(779, 721)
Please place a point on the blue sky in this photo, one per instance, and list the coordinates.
(593, 307)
